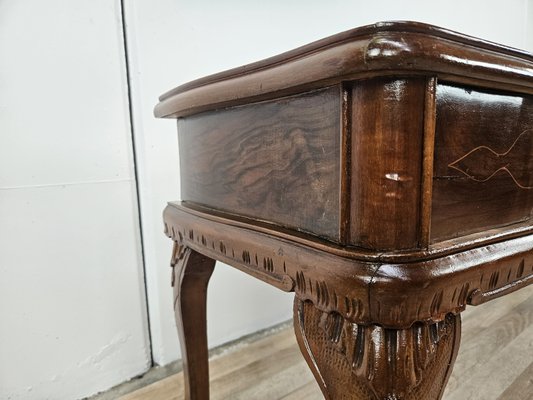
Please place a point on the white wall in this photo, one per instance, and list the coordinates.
(172, 42)
(528, 15)
(71, 290)
(72, 306)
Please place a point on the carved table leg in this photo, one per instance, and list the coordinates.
(360, 362)
(190, 279)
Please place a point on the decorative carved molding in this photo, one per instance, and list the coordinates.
(394, 303)
(482, 163)
(189, 237)
(397, 296)
(375, 362)
(282, 274)
(503, 280)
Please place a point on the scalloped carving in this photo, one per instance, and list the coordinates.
(369, 361)
(277, 268)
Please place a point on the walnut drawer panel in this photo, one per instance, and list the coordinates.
(277, 161)
(483, 168)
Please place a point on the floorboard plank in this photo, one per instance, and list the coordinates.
(309, 391)
(521, 387)
(481, 347)
(495, 362)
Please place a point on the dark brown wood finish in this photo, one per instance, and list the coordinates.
(428, 162)
(352, 361)
(387, 132)
(346, 163)
(391, 294)
(382, 49)
(310, 272)
(483, 175)
(277, 161)
(190, 277)
(385, 175)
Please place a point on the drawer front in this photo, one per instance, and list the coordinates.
(277, 161)
(483, 169)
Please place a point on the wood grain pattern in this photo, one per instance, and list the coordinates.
(483, 163)
(387, 133)
(277, 161)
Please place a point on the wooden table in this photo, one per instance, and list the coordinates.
(384, 174)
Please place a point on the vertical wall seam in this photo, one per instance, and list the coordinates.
(127, 61)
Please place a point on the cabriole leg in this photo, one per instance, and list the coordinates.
(190, 279)
(368, 362)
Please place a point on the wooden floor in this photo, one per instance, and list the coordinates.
(495, 362)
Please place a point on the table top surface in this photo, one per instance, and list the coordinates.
(381, 49)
